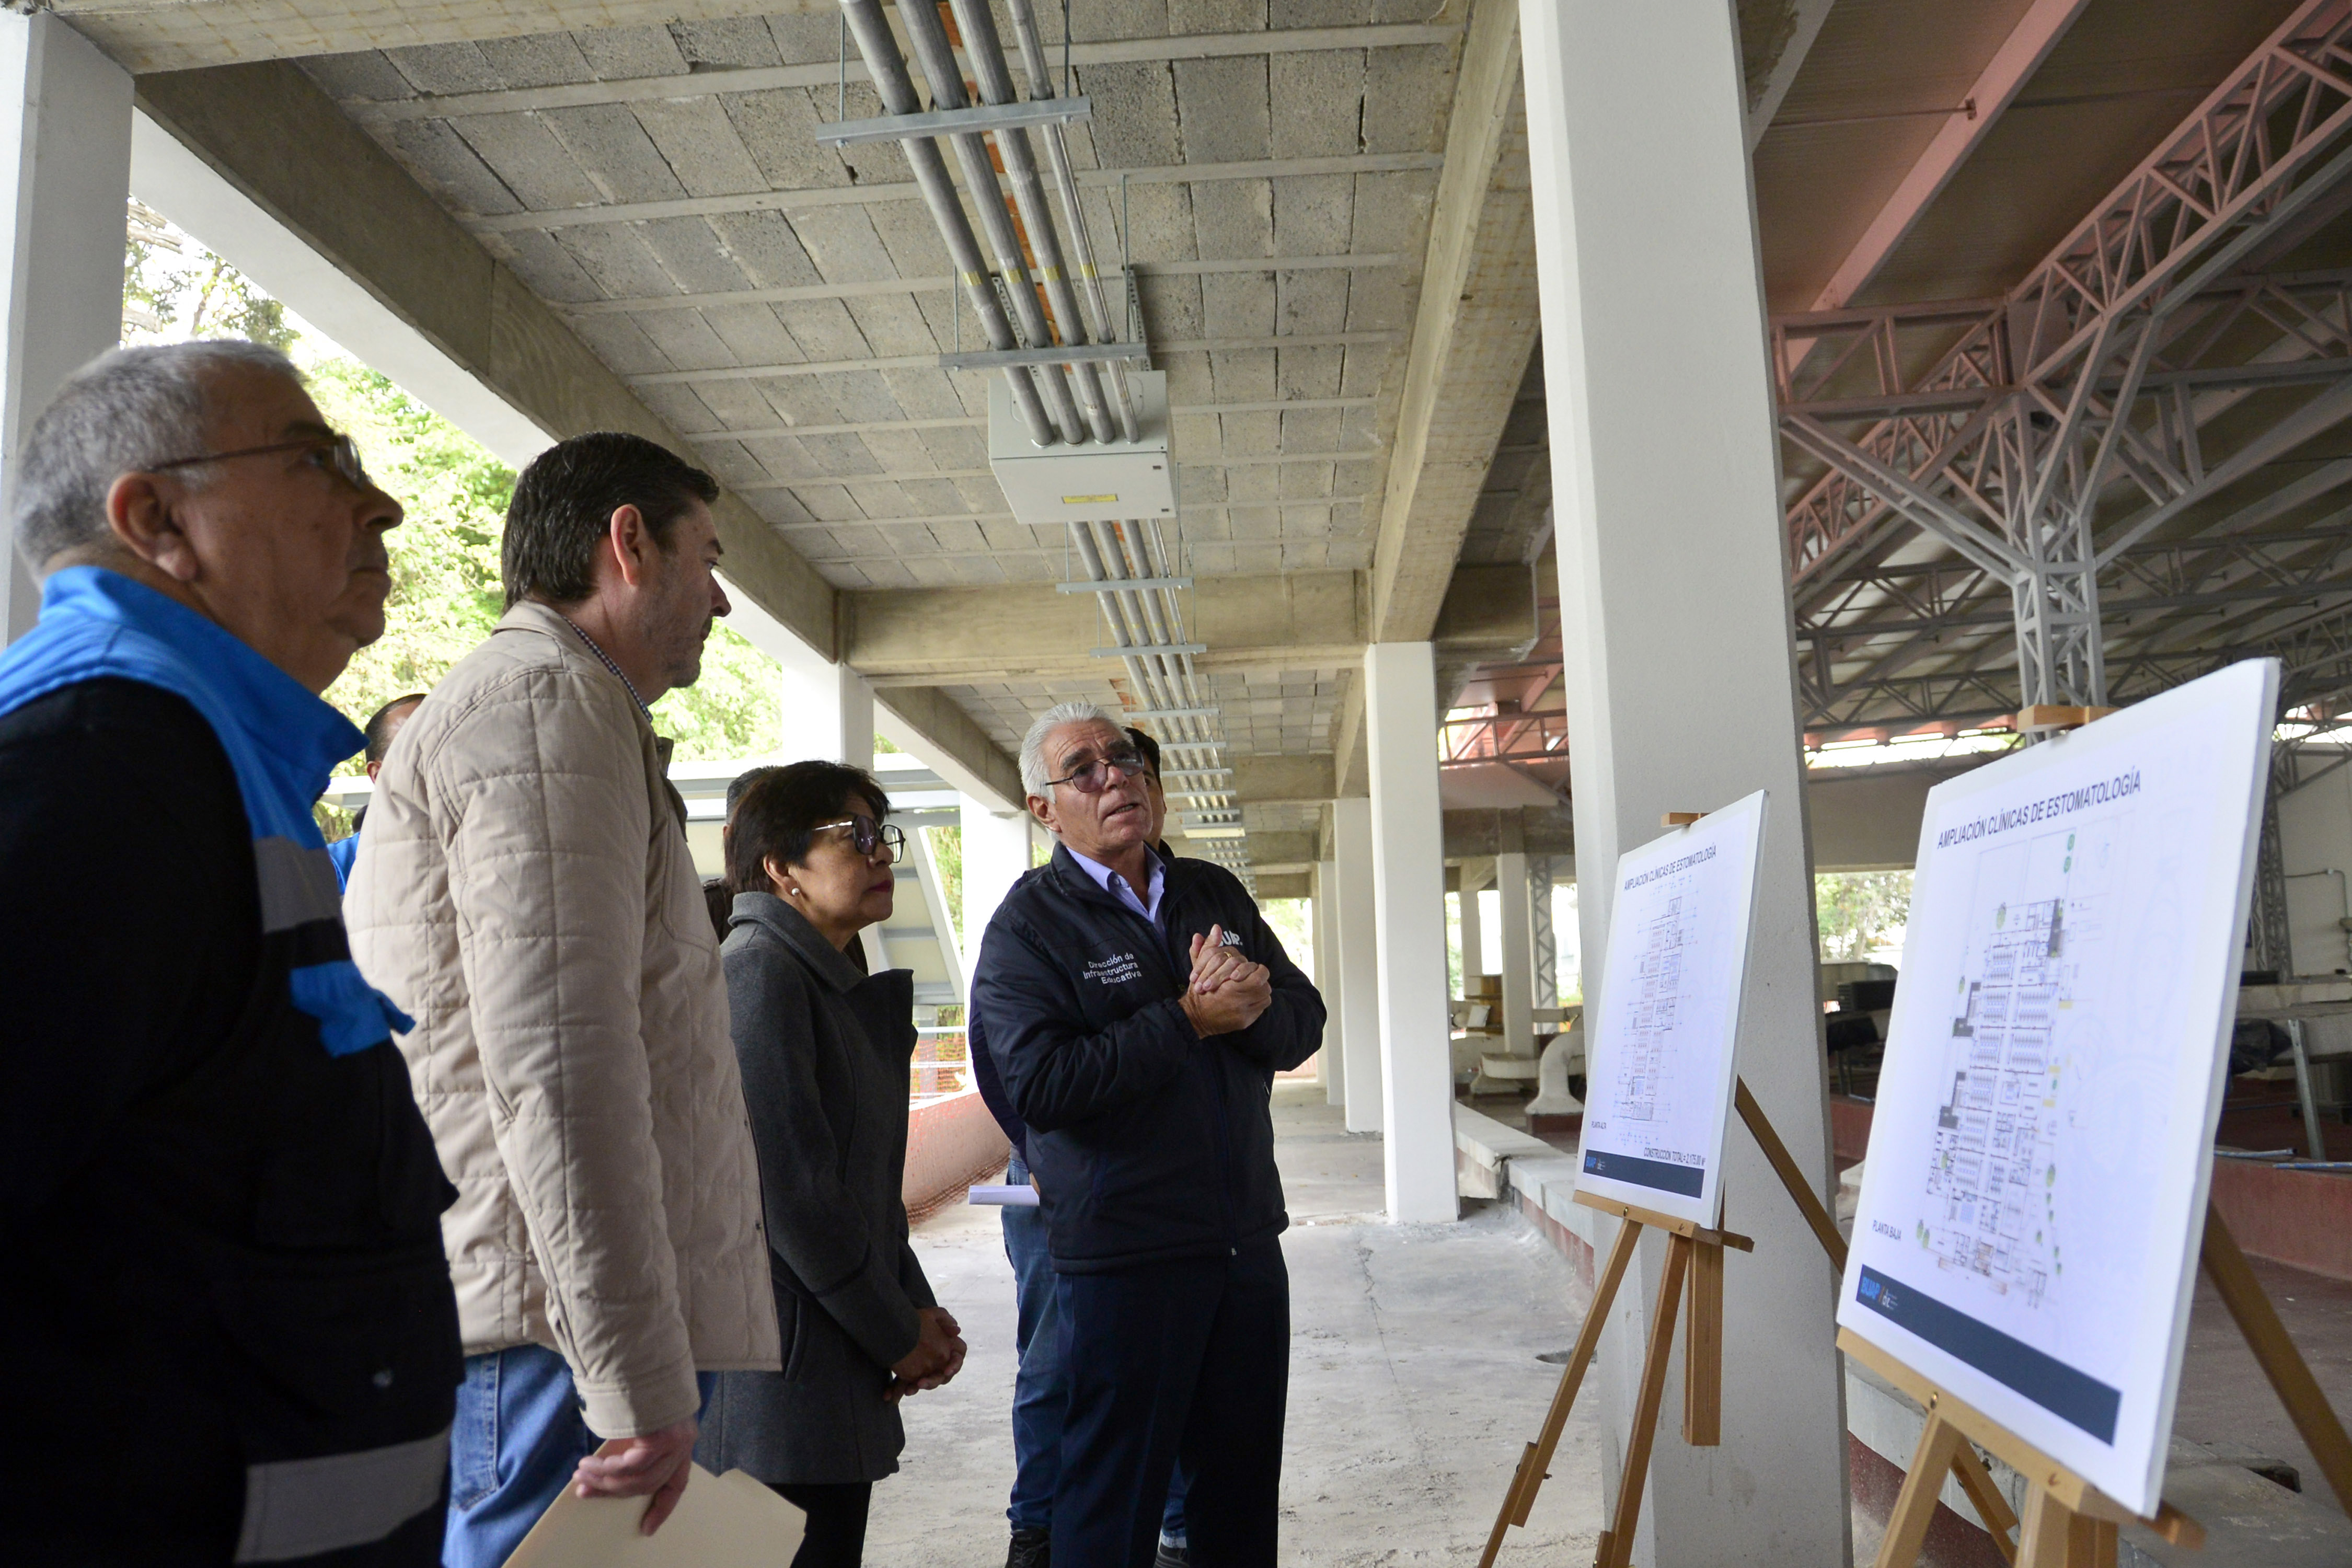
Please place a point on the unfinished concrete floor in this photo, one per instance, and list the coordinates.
(1413, 1379)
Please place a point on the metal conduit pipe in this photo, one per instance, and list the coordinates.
(1082, 250)
(879, 49)
(936, 58)
(1090, 558)
(985, 51)
(1143, 605)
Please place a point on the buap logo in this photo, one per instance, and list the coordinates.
(1233, 939)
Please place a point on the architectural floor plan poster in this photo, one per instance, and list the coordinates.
(1658, 1088)
(2034, 1199)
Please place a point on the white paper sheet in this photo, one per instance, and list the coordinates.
(1662, 1042)
(722, 1521)
(2034, 1197)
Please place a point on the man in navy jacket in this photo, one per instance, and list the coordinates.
(1138, 1010)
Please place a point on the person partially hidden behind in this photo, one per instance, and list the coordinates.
(231, 1331)
(1041, 1382)
(824, 1048)
(379, 730)
(1137, 1009)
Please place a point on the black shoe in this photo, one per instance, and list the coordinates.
(1172, 1557)
(1029, 1549)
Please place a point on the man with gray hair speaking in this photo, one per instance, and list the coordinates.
(1138, 1009)
(230, 1329)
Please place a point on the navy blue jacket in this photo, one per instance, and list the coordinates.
(1148, 1141)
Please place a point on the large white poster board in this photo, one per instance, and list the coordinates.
(2032, 1207)
(1661, 1050)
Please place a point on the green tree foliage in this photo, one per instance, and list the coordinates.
(1858, 911)
(174, 290)
(947, 854)
(446, 593)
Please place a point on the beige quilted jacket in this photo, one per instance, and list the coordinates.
(524, 889)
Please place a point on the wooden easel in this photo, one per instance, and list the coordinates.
(2069, 1523)
(1694, 1265)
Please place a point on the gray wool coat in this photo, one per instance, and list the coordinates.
(824, 1051)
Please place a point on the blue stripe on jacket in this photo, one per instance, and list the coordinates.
(282, 741)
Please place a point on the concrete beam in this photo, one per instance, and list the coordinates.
(931, 636)
(929, 723)
(271, 133)
(1868, 819)
(1268, 851)
(1476, 834)
(1486, 609)
(1474, 328)
(174, 35)
(1775, 36)
(1285, 885)
(1280, 781)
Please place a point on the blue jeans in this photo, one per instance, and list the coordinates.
(1041, 1389)
(518, 1435)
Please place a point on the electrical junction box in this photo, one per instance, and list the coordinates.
(1093, 482)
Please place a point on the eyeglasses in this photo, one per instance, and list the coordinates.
(337, 452)
(1095, 776)
(865, 834)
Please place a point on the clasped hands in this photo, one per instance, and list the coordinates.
(1228, 992)
(937, 1357)
(657, 1465)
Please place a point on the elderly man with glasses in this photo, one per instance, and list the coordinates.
(1138, 1008)
(232, 1332)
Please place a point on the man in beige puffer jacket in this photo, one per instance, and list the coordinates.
(524, 888)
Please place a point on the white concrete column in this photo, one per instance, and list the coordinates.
(1517, 933)
(995, 854)
(828, 713)
(65, 179)
(1356, 939)
(1474, 928)
(1674, 602)
(1331, 1064)
(1409, 890)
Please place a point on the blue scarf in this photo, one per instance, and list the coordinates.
(282, 741)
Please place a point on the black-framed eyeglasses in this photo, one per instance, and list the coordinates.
(866, 836)
(340, 453)
(1095, 776)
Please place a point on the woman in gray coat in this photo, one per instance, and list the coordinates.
(825, 1049)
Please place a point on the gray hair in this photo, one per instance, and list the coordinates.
(118, 414)
(1034, 771)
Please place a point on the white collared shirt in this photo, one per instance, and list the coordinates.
(1117, 885)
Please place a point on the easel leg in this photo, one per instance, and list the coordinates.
(2321, 1431)
(1784, 1165)
(2090, 1542)
(1520, 1500)
(1703, 1349)
(1922, 1483)
(1617, 1546)
(2045, 1533)
(1991, 1506)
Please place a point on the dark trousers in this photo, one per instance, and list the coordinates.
(1185, 1360)
(836, 1534)
(1041, 1389)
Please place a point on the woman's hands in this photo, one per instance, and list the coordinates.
(937, 1357)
